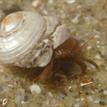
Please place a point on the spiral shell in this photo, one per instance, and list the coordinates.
(26, 39)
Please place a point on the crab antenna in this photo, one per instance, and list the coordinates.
(85, 43)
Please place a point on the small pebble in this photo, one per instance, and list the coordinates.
(71, 1)
(76, 19)
(96, 101)
(4, 102)
(89, 47)
(50, 94)
(35, 89)
(98, 56)
(77, 105)
(90, 98)
(50, 1)
(35, 3)
(105, 92)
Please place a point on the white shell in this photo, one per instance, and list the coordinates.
(27, 39)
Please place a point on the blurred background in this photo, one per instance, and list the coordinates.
(85, 19)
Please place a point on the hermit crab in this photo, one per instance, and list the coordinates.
(30, 39)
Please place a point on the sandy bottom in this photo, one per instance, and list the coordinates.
(85, 19)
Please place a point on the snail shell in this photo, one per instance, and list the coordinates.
(27, 39)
